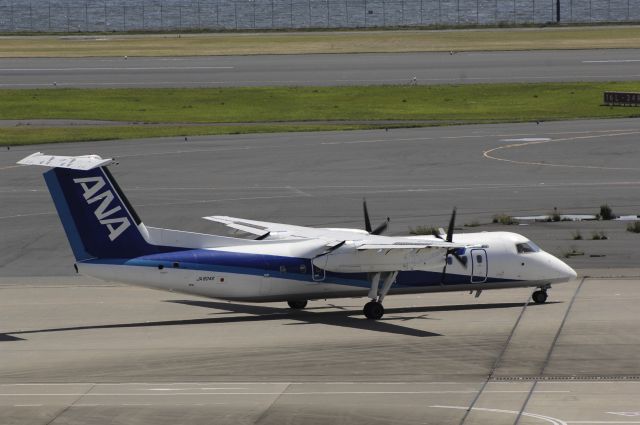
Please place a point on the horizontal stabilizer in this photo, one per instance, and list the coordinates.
(84, 162)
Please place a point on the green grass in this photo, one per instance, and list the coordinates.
(301, 42)
(504, 219)
(298, 108)
(473, 102)
(634, 227)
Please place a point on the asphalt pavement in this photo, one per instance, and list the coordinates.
(323, 69)
(75, 351)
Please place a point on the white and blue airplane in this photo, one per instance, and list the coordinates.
(283, 262)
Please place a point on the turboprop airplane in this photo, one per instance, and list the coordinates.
(283, 262)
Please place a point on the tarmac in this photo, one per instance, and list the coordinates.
(323, 69)
(79, 351)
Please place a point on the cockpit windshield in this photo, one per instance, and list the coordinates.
(527, 247)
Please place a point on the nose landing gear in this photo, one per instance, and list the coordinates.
(540, 296)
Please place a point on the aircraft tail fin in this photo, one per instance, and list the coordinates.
(98, 219)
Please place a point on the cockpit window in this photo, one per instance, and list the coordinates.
(527, 247)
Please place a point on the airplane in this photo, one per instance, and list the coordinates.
(281, 262)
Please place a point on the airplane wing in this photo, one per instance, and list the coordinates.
(265, 229)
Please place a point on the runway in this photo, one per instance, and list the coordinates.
(323, 70)
(77, 351)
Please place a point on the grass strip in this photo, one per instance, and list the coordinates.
(270, 109)
(598, 37)
(472, 103)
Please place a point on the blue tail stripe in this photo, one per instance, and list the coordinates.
(59, 200)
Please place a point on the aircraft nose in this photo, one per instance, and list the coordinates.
(564, 271)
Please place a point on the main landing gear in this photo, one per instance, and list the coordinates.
(540, 296)
(297, 304)
(373, 310)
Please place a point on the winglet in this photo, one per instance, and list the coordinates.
(84, 162)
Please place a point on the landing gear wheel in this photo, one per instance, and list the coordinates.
(539, 297)
(297, 304)
(373, 310)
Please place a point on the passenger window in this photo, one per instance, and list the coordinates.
(479, 259)
(449, 260)
(303, 269)
(283, 269)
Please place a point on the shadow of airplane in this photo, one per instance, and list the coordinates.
(258, 313)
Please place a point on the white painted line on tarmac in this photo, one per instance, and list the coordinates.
(243, 383)
(94, 394)
(551, 420)
(191, 389)
(612, 61)
(25, 215)
(488, 153)
(154, 68)
(527, 139)
(603, 422)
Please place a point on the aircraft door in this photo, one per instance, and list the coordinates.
(479, 266)
(318, 274)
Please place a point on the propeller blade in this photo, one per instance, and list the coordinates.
(381, 228)
(452, 223)
(367, 221)
(444, 269)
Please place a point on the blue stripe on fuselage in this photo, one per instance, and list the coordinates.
(281, 267)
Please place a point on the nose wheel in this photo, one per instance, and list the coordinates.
(373, 310)
(540, 296)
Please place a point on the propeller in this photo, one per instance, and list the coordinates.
(367, 221)
(451, 251)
